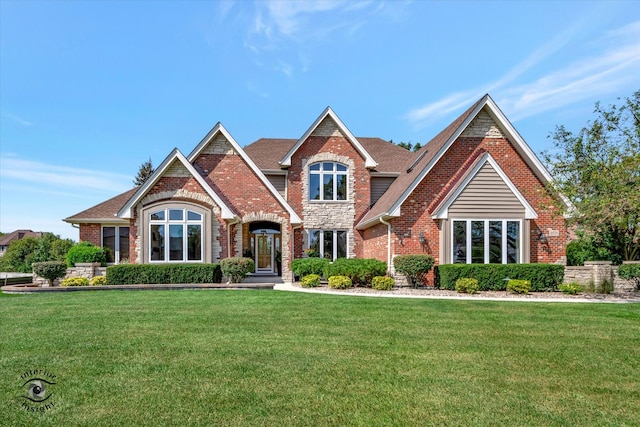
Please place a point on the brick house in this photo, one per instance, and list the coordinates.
(476, 193)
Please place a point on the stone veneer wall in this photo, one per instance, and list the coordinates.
(596, 272)
(336, 215)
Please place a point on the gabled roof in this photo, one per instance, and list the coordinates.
(328, 112)
(267, 153)
(442, 210)
(389, 204)
(17, 235)
(103, 212)
(218, 128)
(127, 210)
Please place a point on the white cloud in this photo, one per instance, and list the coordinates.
(614, 64)
(17, 119)
(60, 178)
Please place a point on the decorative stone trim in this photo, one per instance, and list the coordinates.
(287, 275)
(483, 126)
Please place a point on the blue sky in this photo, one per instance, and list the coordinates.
(90, 90)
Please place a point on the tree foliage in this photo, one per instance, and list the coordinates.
(410, 146)
(598, 171)
(22, 253)
(145, 171)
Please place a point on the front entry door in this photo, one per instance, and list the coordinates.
(264, 253)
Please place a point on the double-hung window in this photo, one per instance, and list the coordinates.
(329, 244)
(486, 241)
(327, 181)
(175, 235)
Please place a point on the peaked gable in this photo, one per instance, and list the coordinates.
(483, 116)
(175, 164)
(329, 124)
(484, 189)
(220, 141)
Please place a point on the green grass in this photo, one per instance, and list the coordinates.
(275, 358)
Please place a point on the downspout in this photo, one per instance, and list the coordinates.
(229, 224)
(388, 244)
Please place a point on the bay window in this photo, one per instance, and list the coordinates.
(486, 241)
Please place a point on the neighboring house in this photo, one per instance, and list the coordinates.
(6, 240)
(476, 193)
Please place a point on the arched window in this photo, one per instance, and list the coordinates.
(175, 235)
(327, 181)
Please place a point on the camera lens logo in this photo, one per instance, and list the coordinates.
(38, 391)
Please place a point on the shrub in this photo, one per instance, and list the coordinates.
(382, 283)
(85, 252)
(98, 281)
(360, 271)
(571, 288)
(75, 281)
(50, 270)
(413, 267)
(303, 266)
(467, 285)
(310, 281)
(491, 277)
(606, 287)
(137, 274)
(340, 282)
(236, 269)
(516, 286)
(630, 272)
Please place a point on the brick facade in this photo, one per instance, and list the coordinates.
(220, 164)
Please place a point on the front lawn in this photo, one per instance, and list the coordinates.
(277, 358)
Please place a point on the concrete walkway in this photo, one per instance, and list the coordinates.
(560, 298)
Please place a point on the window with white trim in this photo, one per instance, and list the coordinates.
(116, 240)
(486, 241)
(327, 181)
(329, 244)
(175, 235)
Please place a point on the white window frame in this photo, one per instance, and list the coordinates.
(185, 222)
(116, 251)
(334, 242)
(486, 239)
(334, 173)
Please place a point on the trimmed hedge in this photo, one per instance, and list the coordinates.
(74, 281)
(413, 267)
(340, 282)
(50, 270)
(139, 274)
(382, 283)
(236, 269)
(310, 281)
(491, 277)
(85, 252)
(303, 266)
(360, 271)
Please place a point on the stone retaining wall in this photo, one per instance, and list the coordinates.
(88, 270)
(596, 273)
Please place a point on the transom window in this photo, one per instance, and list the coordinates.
(486, 241)
(329, 244)
(327, 181)
(175, 235)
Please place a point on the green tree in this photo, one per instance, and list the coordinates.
(598, 171)
(145, 171)
(409, 146)
(19, 255)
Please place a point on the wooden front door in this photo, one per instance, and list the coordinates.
(264, 253)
